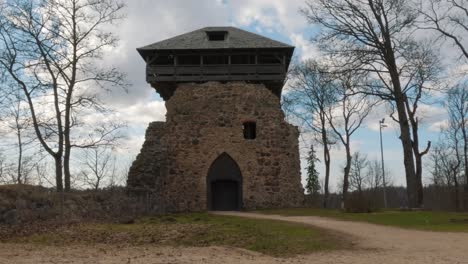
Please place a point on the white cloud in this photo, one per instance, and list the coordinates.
(304, 46)
(279, 15)
(437, 126)
(431, 114)
(143, 113)
(380, 112)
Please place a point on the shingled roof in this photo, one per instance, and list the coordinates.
(236, 39)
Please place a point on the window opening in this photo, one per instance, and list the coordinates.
(216, 35)
(164, 60)
(215, 60)
(242, 59)
(269, 59)
(250, 130)
(188, 60)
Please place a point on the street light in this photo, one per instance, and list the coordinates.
(382, 125)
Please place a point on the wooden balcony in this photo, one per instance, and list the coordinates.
(225, 72)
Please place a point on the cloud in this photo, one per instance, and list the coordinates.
(149, 21)
(430, 117)
(278, 15)
(437, 126)
(380, 112)
(306, 49)
(143, 113)
(431, 114)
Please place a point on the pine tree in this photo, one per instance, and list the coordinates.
(312, 185)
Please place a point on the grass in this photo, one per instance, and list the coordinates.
(421, 220)
(275, 238)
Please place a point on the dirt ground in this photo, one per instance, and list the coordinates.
(377, 244)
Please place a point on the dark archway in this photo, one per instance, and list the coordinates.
(224, 185)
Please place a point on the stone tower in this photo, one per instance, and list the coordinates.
(225, 144)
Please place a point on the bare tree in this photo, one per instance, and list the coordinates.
(50, 50)
(3, 169)
(457, 106)
(19, 126)
(41, 171)
(452, 159)
(435, 161)
(99, 165)
(421, 75)
(449, 18)
(375, 176)
(310, 96)
(121, 176)
(17, 134)
(19, 123)
(447, 158)
(358, 175)
(374, 37)
(346, 117)
(441, 172)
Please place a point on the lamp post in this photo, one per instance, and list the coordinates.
(382, 125)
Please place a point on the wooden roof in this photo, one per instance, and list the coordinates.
(198, 40)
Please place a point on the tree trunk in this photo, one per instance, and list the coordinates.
(457, 195)
(405, 134)
(465, 158)
(347, 169)
(465, 196)
(58, 173)
(68, 101)
(66, 164)
(408, 158)
(465, 149)
(326, 159)
(66, 138)
(419, 185)
(20, 156)
(418, 157)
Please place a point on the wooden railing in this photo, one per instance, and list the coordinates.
(215, 72)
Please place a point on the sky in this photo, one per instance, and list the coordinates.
(149, 21)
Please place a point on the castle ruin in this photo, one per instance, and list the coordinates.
(225, 144)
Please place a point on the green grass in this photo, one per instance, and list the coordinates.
(422, 220)
(270, 237)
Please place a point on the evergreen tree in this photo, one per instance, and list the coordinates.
(312, 185)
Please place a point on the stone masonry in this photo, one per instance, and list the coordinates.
(204, 121)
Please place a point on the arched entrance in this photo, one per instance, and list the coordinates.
(224, 185)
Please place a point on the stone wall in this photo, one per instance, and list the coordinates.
(205, 120)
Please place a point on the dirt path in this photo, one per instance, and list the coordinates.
(380, 245)
(386, 244)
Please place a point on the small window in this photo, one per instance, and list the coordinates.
(250, 130)
(216, 35)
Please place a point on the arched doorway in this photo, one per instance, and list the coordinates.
(224, 185)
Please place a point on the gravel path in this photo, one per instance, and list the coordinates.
(379, 245)
(385, 244)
